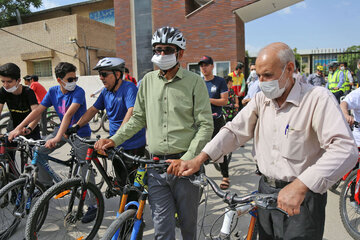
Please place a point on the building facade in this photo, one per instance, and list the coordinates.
(73, 33)
(213, 28)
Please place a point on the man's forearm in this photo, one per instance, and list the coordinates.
(88, 115)
(218, 102)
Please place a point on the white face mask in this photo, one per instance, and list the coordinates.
(164, 62)
(12, 89)
(271, 89)
(70, 86)
(253, 73)
(342, 68)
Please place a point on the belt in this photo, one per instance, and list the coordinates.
(168, 156)
(275, 183)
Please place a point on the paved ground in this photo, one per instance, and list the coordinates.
(243, 181)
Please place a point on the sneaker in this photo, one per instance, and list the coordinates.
(355, 205)
(90, 215)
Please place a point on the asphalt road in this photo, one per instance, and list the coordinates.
(243, 181)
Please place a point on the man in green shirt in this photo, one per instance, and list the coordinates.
(174, 106)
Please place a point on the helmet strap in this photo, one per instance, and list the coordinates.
(116, 81)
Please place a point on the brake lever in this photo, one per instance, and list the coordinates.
(269, 202)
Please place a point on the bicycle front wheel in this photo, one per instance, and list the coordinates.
(349, 209)
(65, 217)
(13, 200)
(123, 227)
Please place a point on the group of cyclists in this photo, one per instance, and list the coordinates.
(173, 105)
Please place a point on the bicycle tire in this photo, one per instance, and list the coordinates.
(52, 121)
(335, 186)
(126, 222)
(54, 203)
(350, 215)
(105, 122)
(95, 122)
(4, 121)
(9, 222)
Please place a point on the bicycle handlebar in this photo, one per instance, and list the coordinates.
(137, 159)
(265, 201)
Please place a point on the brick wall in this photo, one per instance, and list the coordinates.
(123, 31)
(213, 30)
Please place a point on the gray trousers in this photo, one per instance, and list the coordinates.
(80, 153)
(169, 195)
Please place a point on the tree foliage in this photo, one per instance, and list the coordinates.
(8, 9)
(351, 56)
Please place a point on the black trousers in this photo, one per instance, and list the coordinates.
(308, 225)
(218, 124)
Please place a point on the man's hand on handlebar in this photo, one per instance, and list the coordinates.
(349, 119)
(104, 144)
(291, 197)
(187, 168)
(16, 132)
(175, 165)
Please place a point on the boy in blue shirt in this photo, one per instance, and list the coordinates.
(69, 102)
(218, 94)
(118, 98)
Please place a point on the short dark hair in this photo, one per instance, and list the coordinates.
(64, 68)
(240, 65)
(10, 70)
(126, 70)
(35, 78)
(228, 79)
(27, 78)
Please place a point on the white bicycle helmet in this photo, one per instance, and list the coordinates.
(169, 35)
(110, 64)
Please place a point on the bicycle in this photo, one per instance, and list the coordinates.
(238, 206)
(9, 169)
(66, 201)
(129, 223)
(17, 197)
(52, 121)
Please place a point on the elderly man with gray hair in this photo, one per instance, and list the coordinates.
(302, 145)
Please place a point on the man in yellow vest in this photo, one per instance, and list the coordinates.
(238, 80)
(348, 77)
(336, 81)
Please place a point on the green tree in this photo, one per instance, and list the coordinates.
(8, 9)
(298, 59)
(351, 55)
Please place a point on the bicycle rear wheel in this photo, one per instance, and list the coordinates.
(105, 123)
(349, 209)
(62, 204)
(12, 205)
(124, 223)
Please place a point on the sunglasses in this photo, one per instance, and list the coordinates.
(166, 50)
(72, 79)
(104, 74)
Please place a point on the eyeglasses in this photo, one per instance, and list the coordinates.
(104, 74)
(166, 50)
(72, 79)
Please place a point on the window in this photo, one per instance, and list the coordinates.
(192, 5)
(304, 60)
(221, 69)
(194, 67)
(43, 68)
